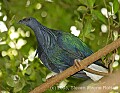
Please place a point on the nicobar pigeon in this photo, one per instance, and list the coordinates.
(58, 50)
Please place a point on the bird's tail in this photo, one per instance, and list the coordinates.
(96, 67)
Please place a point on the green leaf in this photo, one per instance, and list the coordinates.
(33, 76)
(4, 47)
(82, 9)
(87, 27)
(79, 25)
(3, 35)
(98, 14)
(90, 3)
(29, 70)
(115, 6)
(84, 2)
(90, 36)
(19, 85)
(10, 82)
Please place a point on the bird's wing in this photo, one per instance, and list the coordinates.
(73, 45)
(48, 63)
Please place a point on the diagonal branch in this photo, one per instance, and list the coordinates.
(83, 64)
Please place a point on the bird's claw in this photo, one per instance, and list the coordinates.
(77, 63)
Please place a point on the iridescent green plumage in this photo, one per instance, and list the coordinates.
(57, 49)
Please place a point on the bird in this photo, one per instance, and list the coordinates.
(58, 50)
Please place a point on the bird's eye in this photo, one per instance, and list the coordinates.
(26, 19)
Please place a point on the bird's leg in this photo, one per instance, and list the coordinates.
(77, 63)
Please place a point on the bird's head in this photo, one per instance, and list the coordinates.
(28, 21)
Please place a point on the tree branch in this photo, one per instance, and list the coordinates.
(83, 64)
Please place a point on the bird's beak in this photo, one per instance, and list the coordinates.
(19, 22)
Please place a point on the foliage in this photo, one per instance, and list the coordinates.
(19, 70)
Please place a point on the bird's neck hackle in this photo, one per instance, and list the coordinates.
(44, 35)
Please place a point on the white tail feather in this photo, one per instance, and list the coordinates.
(95, 67)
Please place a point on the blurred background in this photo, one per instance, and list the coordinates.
(96, 22)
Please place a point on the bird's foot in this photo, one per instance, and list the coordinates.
(77, 64)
